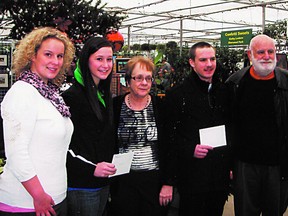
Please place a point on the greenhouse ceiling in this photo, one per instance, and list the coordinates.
(187, 21)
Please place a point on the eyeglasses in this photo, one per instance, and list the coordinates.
(141, 78)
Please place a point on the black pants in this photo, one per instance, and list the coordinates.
(204, 204)
(136, 194)
(60, 209)
(257, 190)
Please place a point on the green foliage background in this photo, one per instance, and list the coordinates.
(79, 19)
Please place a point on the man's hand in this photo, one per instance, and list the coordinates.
(202, 150)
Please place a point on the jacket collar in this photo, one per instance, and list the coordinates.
(281, 76)
(202, 85)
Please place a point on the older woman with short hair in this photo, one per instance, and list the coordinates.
(138, 121)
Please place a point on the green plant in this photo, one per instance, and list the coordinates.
(227, 61)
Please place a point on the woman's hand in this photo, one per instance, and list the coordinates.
(44, 205)
(104, 169)
(43, 202)
(166, 195)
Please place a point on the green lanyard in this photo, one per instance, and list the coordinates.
(78, 74)
(100, 98)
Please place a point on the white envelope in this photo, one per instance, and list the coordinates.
(122, 163)
(213, 136)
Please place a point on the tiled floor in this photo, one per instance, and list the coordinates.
(229, 208)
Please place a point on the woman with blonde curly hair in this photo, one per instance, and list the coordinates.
(37, 127)
(28, 47)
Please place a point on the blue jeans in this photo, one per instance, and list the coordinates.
(87, 203)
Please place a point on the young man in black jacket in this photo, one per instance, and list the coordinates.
(202, 172)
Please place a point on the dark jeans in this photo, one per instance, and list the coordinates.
(204, 204)
(60, 209)
(257, 190)
(87, 203)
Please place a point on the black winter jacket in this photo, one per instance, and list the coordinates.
(91, 139)
(191, 107)
(281, 110)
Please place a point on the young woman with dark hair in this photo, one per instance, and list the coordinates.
(92, 145)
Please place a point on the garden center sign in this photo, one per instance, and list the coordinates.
(234, 38)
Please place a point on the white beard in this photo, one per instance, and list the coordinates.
(263, 69)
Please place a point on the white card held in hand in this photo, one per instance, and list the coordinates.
(213, 136)
(122, 163)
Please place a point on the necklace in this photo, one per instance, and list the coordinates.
(129, 102)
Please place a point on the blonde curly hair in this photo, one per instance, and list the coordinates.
(29, 45)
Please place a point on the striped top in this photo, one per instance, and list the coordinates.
(137, 132)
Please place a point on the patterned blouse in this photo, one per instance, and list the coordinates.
(137, 132)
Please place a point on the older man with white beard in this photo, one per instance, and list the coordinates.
(259, 121)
